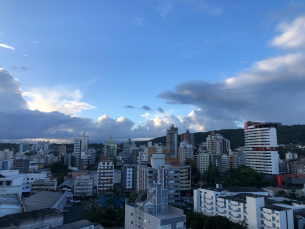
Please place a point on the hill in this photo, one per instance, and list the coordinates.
(285, 135)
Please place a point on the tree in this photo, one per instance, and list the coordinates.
(195, 172)
(134, 196)
(281, 193)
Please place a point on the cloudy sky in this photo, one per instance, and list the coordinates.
(129, 69)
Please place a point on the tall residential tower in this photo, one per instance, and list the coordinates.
(172, 141)
(261, 147)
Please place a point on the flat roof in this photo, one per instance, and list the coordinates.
(276, 208)
(77, 224)
(42, 200)
(10, 199)
(236, 189)
(240, 197)
(15, 219)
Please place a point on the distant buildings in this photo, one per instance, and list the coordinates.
(6, 154)
(62, 150)
(172, 141)
(22, 165)
(261, 147)
(127, 146)
(110, 149)
(188, 137)
(185, 151)
(217, 144)
(80, 145)
(291, 156)
(203, 162)
(154, 213)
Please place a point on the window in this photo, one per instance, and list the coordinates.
(179, 225)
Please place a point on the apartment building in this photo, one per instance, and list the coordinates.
(83, 186)
(47, 184)
(110, 149)
(244, 204)
(217, 144)
(203, 162)
(154, 213)
(105, 176)
(185, 151)
(80, 145)
(185, 177)
(23, 165)
(172, 140)
(188, 137)
(261, 147)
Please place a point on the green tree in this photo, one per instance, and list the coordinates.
(281, 193)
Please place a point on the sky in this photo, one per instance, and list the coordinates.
(130, 69)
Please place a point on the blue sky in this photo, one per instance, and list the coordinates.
(93, 58)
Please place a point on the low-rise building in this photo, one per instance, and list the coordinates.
(82, 224)
(46, 199)
(67, 185)
(47, 184)
(238, 204)
(10, 204)
(154, 213)
(44, 218)
(83, 186)
(23, 165)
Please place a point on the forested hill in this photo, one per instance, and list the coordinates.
(285, 135)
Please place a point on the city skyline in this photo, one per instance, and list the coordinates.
(131, 70)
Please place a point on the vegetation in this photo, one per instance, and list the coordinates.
(292, 195)
(135, 195)
(197, 220)
(241, 176)
(59, 170)
(195, 176)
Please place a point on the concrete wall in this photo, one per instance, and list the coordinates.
(43, 222)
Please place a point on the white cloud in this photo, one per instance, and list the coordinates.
(60, 98)
(35, 42)
(139, 22)
(7, 46)
(25, 55)
(293, 35)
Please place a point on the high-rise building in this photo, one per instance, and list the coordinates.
(105, 176)
(80, 145)
(126, 149)
(62, 150)
(185, 151)
(261, 147)
(110, 149)
(203, 162)
(217, 144)
(188, 137)
(172, 140)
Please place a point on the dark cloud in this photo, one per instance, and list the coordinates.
(18, 122)
(161, 110)
(146, 108)
(128, 106)
(271, 90)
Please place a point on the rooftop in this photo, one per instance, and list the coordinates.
(77, 224)
(79, 171)
(276, 208)
(240, 197)
(236, 189)
(15, 219)
(10, 199)
(42, 200)
(68, 183)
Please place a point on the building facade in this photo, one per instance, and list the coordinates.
(80, 145)
(217, 144)
(185, 151)
(154, 213)
(172, 140)
(105, 176)
(110, 149)
(83, 186)
(261, 147)
(203, 162)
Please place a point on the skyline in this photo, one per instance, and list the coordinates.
(131, 70)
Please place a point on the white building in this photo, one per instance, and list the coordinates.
(110, 149)
(10, 204)
(83, 186)
(244, 204)
(11, 182)
(290, 156)
(261, 147)
(203, 162)
(105, 176)
(185, 151)
(80, 145)
(6, 154)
